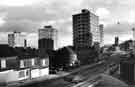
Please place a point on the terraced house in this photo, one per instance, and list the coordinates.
(22, 67)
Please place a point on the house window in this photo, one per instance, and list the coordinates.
(32, 62)
(43, 62)
(21, 74)
(3, 63)
(21, 64)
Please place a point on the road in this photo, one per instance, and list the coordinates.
(84, 75)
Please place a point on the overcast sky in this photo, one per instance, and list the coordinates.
(30, 15)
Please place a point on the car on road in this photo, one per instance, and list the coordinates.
(68, 78)
(73, 79)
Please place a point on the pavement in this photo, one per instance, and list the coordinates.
(109, 81)
(28, 81)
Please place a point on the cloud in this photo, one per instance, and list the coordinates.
(102, 12)
(30, 15)
(121, 28)
(104, 15)
(64, 41)
(2, 18)
(31, 18)
(131, 18)
(18, 2)
(2, 21)
(32, 40)
(3, 37)
(21, 26)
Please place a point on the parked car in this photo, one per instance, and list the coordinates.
(68, 78)
(73, 79)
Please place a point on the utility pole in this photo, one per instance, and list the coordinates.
(133, 29)
(117, 48)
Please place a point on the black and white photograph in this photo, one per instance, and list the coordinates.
(67, 43)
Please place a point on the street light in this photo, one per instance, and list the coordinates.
(133, 29)
(117, 39)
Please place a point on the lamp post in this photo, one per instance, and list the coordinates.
(117, 48)
(133, 29)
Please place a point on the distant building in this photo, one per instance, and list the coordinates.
(85, 29)
(116, 41)
(47, 39)
(16, 39)
(126, 45)
(116, 44)
(101, 29)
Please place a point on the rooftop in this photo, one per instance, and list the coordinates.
(49, 26)
(27, 56)
(82, 12)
